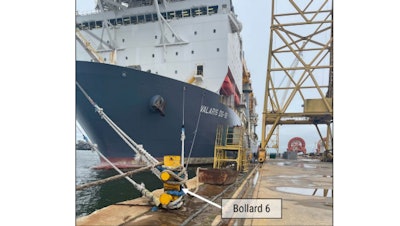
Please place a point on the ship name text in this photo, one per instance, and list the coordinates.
(213, 111)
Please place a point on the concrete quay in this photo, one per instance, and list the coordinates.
(305, 187)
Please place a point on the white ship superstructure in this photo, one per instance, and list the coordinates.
(152, 64)
(194, 41)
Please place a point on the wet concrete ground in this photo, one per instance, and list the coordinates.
(305, 187)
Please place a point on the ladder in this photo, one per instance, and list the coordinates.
(229, 148)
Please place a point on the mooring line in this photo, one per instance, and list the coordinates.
(116, 177)
(149, 159)
(195, 132)
(132, 144)
(140, 187)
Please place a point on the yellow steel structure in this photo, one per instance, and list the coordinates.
(229, 148)
(300, 93)
(93, 53)
(88, 47)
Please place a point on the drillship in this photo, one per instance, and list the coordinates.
(157, 66)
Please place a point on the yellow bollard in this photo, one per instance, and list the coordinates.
(172, 190)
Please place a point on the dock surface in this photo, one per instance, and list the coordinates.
(304, 185)
(295, 182)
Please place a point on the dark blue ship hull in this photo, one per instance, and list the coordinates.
(129, 96)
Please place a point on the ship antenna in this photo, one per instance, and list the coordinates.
(183, 127)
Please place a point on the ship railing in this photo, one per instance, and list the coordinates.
(87, 12)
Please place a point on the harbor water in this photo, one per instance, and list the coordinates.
(97, 197)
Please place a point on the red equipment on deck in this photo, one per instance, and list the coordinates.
(297, 144)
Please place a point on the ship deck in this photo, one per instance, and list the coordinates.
(305, 187)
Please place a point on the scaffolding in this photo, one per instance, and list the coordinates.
(230, 148)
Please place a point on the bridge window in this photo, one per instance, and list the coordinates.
(134, 20)
(113, 22)
(186, 13)
(212, 10)
(171, 15)
(83, 26)
(148, 17)
(127, 20)
(99, 24)
(141, 19)
(203, 10)
(119, 21)
(178, 14)
(92, 25)
(196, 11)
